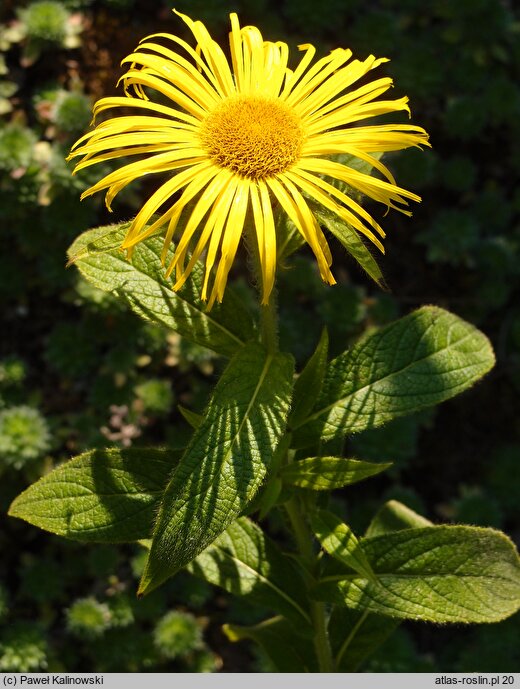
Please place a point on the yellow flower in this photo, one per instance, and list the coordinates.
(235, 140)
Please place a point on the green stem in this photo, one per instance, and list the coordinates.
(268, 312)
(268, 324)
(304, 541)
(302, 534)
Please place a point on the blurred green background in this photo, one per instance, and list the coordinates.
(78, 371)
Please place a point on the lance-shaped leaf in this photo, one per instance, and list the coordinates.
(339, 541)
(107, 496)
(191, 417)
(309, 382)
(273, 635)
(394, 516)
(436, 574)
(245, 562)
(142, 283)
(352, 242)
(225, 462)
(418, 361)
(326, 473)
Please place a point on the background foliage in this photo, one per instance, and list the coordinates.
(79, 371)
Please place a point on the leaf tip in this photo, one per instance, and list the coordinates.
(14, 508)
(230, 632)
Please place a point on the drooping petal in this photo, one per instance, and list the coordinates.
(297, 209)
(266, 236)
(230, 239)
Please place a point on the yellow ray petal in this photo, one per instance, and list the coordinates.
(358, 180)
(162, 195)
(205, 201)
(317, 74)
(219, 215)
(211, 86)
(120, 153)
(170, 160)
(213, 53)
(266, 236)
(334, 148)
(276, 56)
(200, 64)
(137, 139)
(293, 78)
(185, 121)
(362, 94)
(142, 78)
(355, 113)
(196, 184)
(210, 230)
(311, 185)
(237, 56)
(230, 239)
(296, 208)
(166, 69)
(335, 84)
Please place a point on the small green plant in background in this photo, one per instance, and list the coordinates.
(24, 436)
(88, 618)
(43, 26)
(270, 443)
(23, 649)
(176, 634)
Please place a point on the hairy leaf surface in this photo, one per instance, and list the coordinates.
(339, 541)
(418, 361)
(142, 283)
(394, 516)
(225, 462)
(436, 574)
(245, 562)
(103, 495)
(326, 473)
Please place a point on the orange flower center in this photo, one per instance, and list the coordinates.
(254, 137)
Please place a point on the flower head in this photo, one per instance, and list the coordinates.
(235, 140)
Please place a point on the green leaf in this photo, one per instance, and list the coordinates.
(355, 635)
(246, 563)
(352, 242)
(436, 574)
(339, 541)
(225, 462)
(290, 238)
(326, 473)
(273, 635)
(415, 362)
(347, 235)
(394, 516)
(309, 382)
(96, 253)
(191, 417)
(356, 164)
(106, 496)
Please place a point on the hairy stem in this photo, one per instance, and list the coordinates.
(304, 542)
(302, 534)
(268, 312)
(269, 325)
